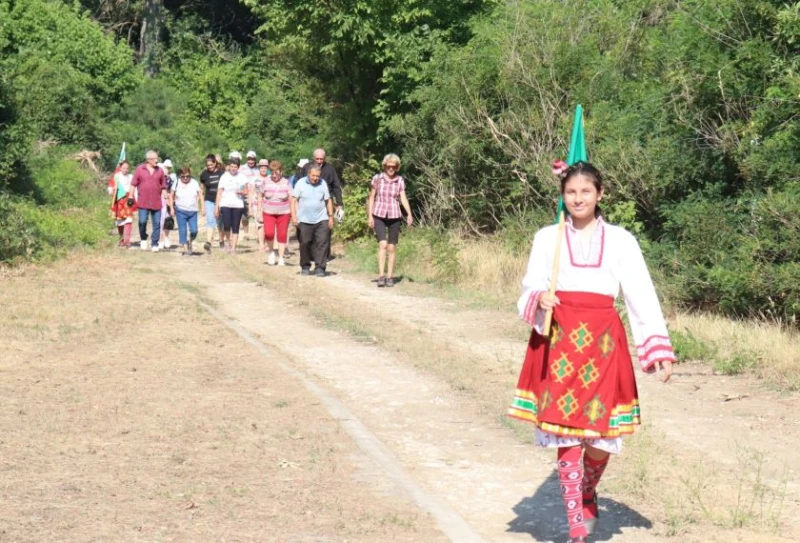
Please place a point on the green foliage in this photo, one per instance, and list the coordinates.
(18, 237)
(355, 194)
(64, 71)
(690, 348)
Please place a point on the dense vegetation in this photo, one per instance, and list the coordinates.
(693, 113)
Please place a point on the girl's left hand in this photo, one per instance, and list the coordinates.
(665, 365)
(410, 220)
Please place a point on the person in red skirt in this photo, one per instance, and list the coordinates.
(577, 385)
(123, 207)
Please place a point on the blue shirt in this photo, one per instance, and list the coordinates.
(311, 201)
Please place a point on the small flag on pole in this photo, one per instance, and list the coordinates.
(122, 153)
(577, 150)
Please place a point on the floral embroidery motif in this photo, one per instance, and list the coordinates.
(595, 410)
(562, 368)
(568, 404)
(581, 337)
(589, 374)
(606, 343)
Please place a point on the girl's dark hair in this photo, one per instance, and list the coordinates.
(232, 161)
(583, 168)
(587, 169)
(211, 157)
(124, 162)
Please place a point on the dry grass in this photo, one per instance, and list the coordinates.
(770, 351)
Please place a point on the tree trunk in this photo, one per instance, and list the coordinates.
(150, 35)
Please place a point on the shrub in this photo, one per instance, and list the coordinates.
(19, 237)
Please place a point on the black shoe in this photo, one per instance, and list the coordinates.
(207, 247)
(319, 272)
(381, 281)
(389, 282)
(305, 271)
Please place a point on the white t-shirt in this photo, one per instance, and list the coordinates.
(186, 195)
(229, 185)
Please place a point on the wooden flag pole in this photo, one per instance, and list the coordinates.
(548, 318)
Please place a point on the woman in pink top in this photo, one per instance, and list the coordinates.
(383, 213)
(273, 200)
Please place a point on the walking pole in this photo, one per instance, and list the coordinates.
(548, 318)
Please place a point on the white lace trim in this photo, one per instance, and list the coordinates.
(547, 440)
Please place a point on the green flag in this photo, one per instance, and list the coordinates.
(577, 150)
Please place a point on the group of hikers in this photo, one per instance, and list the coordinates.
(576, 385)
(255, 199)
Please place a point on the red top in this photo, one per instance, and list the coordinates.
(387, 196)
(149, 186)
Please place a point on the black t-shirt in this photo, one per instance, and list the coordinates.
(210, 181)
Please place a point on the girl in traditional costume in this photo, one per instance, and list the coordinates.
(577, 385)
(122, 207)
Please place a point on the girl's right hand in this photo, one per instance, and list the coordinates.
(548, 301)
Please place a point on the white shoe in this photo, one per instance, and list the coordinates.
(156, 249)
(143, 245)
(160, 244)
(271, 259)
(167, 243)
(281, 262)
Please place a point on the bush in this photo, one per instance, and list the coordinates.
(18, 235)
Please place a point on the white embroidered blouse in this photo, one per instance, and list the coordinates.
(612, 260)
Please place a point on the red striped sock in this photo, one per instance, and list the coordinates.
(592, 472)
(570, 475)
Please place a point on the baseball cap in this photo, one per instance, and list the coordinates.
(303, 162)
(235, 154)
(167, 164)
(263, 162)
(251, 154)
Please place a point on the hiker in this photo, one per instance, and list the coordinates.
(387, 191)
(331, 178)
(151, 186)
(123, 207)
(255, 208)
(231, 195)
(577, 385)
(209, 181)
(312, 214)
(250, 171)
(186, 200)
(167, 213)
(273, 201)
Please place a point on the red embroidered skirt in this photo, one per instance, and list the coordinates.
(580, 381)
(122, 210)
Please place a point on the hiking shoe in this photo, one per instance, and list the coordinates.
(167, 243)
(207, 247)
(381, 281)
(281, 262)
(319, 272)
(156, 249)
(305, 271)
(143, 245)
(221, 244)
(389, 282)
(189, 247)
(271, 258)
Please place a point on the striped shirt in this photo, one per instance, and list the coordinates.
(275, 196)
(387, 196)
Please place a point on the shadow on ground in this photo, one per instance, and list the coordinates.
(542, 516)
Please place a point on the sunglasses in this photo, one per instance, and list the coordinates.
(392, 166)
(186, 177)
